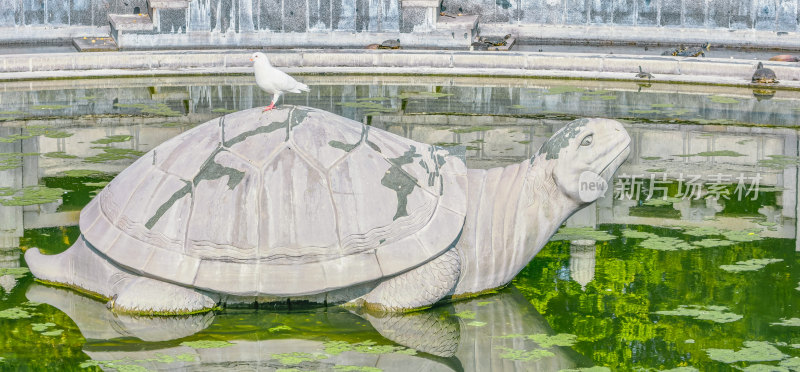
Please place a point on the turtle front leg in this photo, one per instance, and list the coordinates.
(275, 98)
(416, 288)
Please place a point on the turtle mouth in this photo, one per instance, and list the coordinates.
(618, 159)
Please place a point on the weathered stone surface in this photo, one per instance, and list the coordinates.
(300, 203)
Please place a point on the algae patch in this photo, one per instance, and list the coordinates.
(32, 195)
(476, 324)
(15, 313)
(710, 243)
(665, 243)
(753, 351)
(793, 322)
(279, 328)
(750, 265)
(581, 233)
(59, 155)
(523, 355)
(364, 347)
(206, 344)
(113, 139)
(296, 358)
(16, 272)
(633, 234)
(466, 314)
(713, 153)
(717, 314)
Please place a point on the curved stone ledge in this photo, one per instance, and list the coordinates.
(418, 62)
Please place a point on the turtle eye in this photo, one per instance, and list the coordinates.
(587, 140)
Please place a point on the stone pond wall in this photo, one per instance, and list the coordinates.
(238, 22)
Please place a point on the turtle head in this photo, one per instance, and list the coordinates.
(580, 159)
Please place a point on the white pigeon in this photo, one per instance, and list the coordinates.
(274, 81)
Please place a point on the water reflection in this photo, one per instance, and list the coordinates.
(605, 292)
(473, 341)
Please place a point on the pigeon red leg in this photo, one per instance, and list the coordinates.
(274, 101)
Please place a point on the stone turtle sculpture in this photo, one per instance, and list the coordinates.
(298, 204)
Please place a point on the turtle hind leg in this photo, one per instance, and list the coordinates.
(143, 295)
(420, 287)
(82, 268)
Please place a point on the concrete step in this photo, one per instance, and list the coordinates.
(94, 44)
(130, 22)
(168, 4)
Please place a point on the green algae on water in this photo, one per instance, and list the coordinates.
(16, 272)
(96, 184)
(113, 153)
(32, 195)
(15, 313)
(53, 333)
(59, 155)
(713, 153)
(279, 328)
(779, 161)
(561, 339)
(750, 265)
(422, 95)
(657, 202)
(484, 303)
(792, 322)
(41, 327)
(356, 368)
(523, 355)
(476, 324)
(651, 158)
(559, 89)
(587, 369)
(159, 109)
(466, 314)
(741, 235)
(711, 243)
(753, 351)
(633, 234)
(48, 107)
(665, 243)
(364, 347)
(81, 173)
(112, 139)
(471, 129)
(297, 358)
(703, 231)
(581, 233)
(656, 170)
(682, 369)
(717, 314)
(206, 344)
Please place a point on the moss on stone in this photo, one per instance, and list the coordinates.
(344, 368)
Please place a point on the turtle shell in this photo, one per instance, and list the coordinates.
(294, 201)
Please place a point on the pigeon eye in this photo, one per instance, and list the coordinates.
(587, 140)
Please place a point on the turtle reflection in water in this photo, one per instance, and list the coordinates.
(301, 205)
(429, 340)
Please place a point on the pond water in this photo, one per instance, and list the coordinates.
(689, 262)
